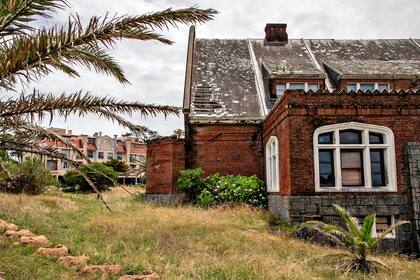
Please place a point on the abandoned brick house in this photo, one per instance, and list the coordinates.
(321, 121)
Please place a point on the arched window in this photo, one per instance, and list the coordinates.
(272, 164)
(354, 157)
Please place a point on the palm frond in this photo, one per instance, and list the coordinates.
(365, 232)
(348, 220)
(375, 241)
(39, 106)
(16, 14)
(28, 58)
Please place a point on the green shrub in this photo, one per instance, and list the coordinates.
(238, 189)
(73, 181)
(191, 182)
(205, 199)
(117, 165)
(29, 177)
(217, 189)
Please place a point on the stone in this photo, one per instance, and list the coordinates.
(74, 261)
(108, 269)
(7, 226)
(19, 233)
(145, 276)
(56, 252)
(34, 240)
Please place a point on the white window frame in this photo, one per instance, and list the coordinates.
(389, 156)
(289, 83)
(376, 87)
(272, 164)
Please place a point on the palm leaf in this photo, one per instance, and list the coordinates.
(350, 223)
(16, 14)
(39, 106)
(28, 58)
(375, 241)
(367, 227)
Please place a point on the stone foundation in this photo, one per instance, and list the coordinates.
(298, 209)
(166, 198)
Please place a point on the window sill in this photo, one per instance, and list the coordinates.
(355, 190)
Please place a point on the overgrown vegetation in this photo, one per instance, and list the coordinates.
(217, 189)
(118, 165)
(31, 49)
(359, 240)
(185, 242)
(29, 177)
(104, 177)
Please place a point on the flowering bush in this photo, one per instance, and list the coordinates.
(217, 189)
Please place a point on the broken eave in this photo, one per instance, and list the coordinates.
(226, 120)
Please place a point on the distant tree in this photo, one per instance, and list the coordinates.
(30, 51)
(117, 165)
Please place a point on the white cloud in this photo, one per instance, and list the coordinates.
(156, 72)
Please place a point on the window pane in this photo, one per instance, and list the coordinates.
(351, 87)
(325, 156)
(350, 137)
(377, 166)
(352, 168)
(375, 138)
(313, 86)
(325, 138)
(297, 86)
(326, 168)
(280, 88)
(351, 159)
(366, 87)
(383, 223)
(383, 87)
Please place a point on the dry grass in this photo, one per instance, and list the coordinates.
(176, 242)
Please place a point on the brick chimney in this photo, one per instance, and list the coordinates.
(275, 34)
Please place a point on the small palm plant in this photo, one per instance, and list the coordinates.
(360, 240)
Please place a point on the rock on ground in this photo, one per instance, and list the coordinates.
(34, 240)
(56, 252)
(104, 269)
(7, 226)
(74, 261)
(19, 233)
(146, 276)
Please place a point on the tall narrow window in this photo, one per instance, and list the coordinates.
(272, 165)
(354, 157)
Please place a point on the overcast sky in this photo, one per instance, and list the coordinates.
(156, 72)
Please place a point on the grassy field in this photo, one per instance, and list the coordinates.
(175, 242)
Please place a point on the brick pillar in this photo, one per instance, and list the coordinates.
(412, 153)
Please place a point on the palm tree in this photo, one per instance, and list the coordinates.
(29, 52)
(358, 239)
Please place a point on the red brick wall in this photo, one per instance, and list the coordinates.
(230, 149)
(165, 158)
(299, 115)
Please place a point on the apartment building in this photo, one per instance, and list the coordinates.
(99, 148)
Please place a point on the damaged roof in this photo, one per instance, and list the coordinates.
(288, 60)
(223, 82)
(226, 80)
(369, 58)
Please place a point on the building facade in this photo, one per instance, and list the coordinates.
(99, 148)
(323, 122)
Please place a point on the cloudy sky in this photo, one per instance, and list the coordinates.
(156, 72)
